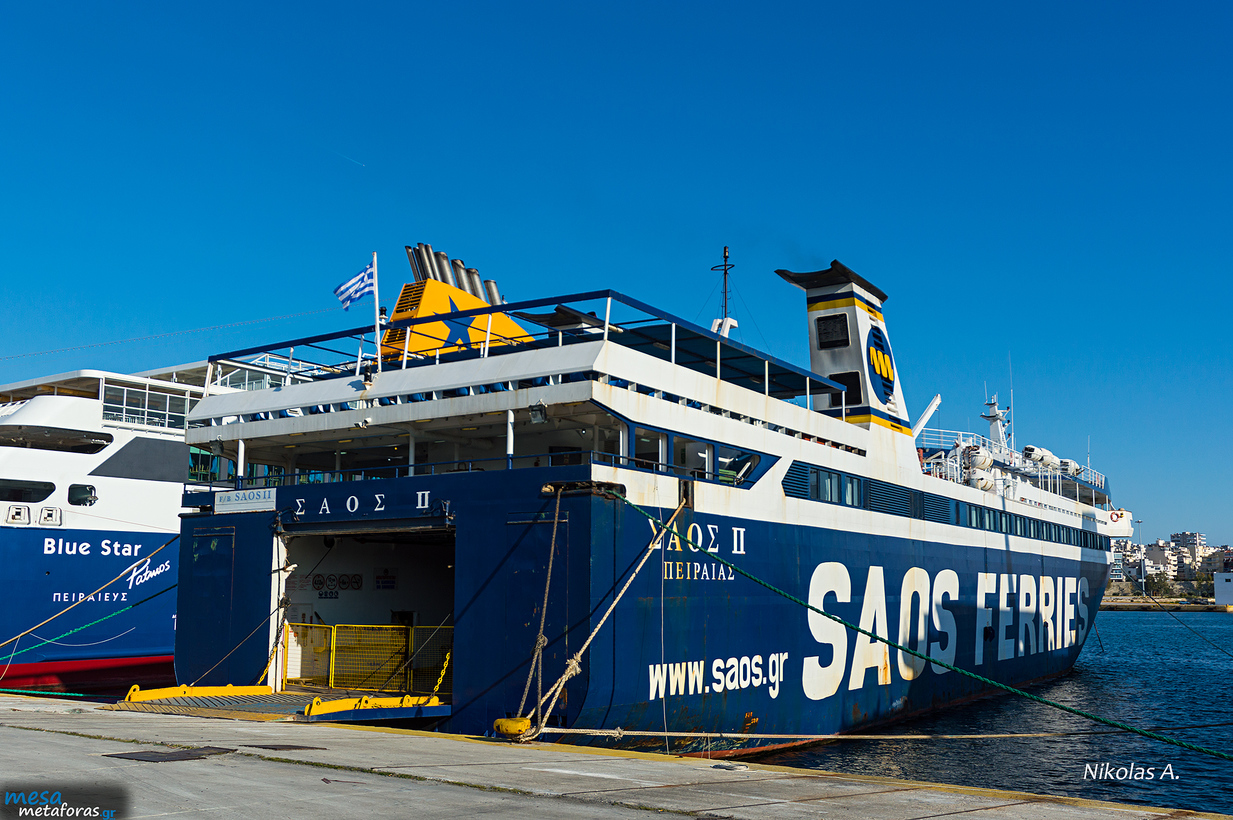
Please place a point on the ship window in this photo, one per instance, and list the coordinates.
(734, 466)
(82, 495)
(689, 457)
(851, 491)
(646, 448)
(832, 331)
(53, 438)
(825, 486)
(852, 389)
(29, 492)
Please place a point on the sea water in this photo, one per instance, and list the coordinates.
(1145, 669)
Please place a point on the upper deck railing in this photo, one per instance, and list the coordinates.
(575, 318)
(947, 439)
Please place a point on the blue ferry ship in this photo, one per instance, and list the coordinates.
(406, 518)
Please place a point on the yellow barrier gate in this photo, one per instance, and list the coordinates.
(370, 658)
(308, 651)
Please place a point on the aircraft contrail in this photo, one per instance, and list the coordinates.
(344, 156)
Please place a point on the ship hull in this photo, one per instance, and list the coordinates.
(98, 641)
(692, 648)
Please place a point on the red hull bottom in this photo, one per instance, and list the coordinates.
(97, 676)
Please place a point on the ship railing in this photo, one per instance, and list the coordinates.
(732, 478)
(577, 318)
(948, 439)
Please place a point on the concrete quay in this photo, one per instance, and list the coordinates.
(365, 771)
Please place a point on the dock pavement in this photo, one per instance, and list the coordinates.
(246, 770)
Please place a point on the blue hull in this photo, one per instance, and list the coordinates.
(692, 646)
(50, 570)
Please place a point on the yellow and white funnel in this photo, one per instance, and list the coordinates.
(848, 343)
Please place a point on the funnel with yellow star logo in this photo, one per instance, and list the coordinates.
(432, 298)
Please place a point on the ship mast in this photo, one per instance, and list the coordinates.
(724, 324)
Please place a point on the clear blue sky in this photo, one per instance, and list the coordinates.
(1043, 184)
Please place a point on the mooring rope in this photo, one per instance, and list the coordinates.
(17, 651)
(1045, 701)
(619, 732)
(1183, 623)
(573, 665)
(536, 669)
(45, 692)
(282, 604)
(92, 623)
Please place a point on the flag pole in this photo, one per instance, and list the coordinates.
(376, 310)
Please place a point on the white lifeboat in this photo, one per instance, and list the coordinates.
(980, 458)
(1071, 467)
(980, 479)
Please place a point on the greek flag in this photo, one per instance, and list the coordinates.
(357, 287)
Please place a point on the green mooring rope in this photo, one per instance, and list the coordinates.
(45, 692)
(92, 623)
(1106, 721)
(65, 635)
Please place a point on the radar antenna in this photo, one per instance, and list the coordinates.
(724, 324)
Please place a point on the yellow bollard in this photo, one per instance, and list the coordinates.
(511, 727)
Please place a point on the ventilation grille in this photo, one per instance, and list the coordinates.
(889, 498)
(937, 508)
(796, 481)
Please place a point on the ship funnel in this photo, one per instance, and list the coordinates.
(848, 343)
(424, 255)
(490, 287)
(437, 265)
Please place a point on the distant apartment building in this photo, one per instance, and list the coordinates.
(1138, 570)
(1212, 562)
(1189, 541)
(1118, 571)
(1193, 544)
(1129, 552)
(1187, 568)
(1162, 555)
